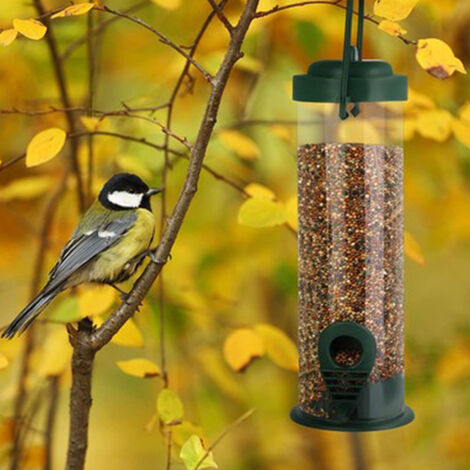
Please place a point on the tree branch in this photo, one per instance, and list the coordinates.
(220, 14)
(80, 395)
(86, 341)
(337, 3)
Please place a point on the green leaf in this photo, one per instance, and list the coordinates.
(260, 212)
(169, 406)
(193, 452)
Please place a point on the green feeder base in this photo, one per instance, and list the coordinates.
(300, 417)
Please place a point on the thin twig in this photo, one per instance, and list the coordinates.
(221, 15)
(83, 110)
(162, 39)
(168, 450)
(87, 341)
(91, 95)
(337, 3)
(62, 84)
(228, 429)
(100, 29)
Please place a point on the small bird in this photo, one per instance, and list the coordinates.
(108, 246)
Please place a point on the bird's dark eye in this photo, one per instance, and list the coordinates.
(131, 190)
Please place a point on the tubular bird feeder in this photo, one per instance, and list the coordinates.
(350, 203)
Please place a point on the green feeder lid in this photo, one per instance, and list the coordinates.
(369, 80)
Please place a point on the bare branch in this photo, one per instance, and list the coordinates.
(221, 16)
(229, 428)
(337, 3)
(80, 395)
(162, 39)
(105, 333)
(100, 29)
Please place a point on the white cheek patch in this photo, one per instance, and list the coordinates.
(106, 234)
(125, 199)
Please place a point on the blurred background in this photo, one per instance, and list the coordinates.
(225, 275)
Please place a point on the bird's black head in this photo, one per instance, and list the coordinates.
(126, 191)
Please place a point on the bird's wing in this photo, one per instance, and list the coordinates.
(85, 246)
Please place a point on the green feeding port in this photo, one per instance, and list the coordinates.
(350, 238)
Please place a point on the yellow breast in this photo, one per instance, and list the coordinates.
(112, 262)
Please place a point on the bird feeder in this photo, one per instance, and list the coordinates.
(350, 204)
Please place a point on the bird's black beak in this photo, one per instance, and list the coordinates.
(153, 191)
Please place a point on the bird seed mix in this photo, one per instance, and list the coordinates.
(350, 257)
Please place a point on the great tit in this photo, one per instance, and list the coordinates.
(107, 247)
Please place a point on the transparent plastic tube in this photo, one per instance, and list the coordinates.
(350, 190)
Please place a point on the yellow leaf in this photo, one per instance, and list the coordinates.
(129, 335)
(259, 191)
(26, 188)
(56, 353)
(169, 407)
(455, 365)
(74, 10)
(32, 29)
(435, 124)
(241, 348)
(461, 131)
(260, 212)
(8, 36)
(291, 210)
(437, 58)
(168, 4)
(33, 457)
(394, 10)
(140, 367)
(279, 347)
(413, 250)
(95, 301)
(44, 146)
(391, 28)
(242, 145)
(3, 361)
(193, 452)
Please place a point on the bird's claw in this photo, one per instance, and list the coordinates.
(153, 256)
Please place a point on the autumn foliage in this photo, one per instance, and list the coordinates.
(204, 374)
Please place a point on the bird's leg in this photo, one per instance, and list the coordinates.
(123, 295)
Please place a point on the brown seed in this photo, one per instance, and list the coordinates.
(350, 257)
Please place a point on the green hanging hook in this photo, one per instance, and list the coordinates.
(351, 53)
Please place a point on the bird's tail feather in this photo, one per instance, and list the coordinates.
(30, 312)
